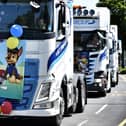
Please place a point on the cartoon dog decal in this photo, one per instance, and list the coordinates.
(11, 73)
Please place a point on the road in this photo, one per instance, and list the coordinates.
(102, 111)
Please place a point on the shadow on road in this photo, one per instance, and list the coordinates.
(94, 95)
(23, 122)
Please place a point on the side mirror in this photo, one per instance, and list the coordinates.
(120, 46)
(109, 44)
(108, 39)
(101, 36)
(35, 3)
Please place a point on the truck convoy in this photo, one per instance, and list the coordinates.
(92, 44)
(37, 77)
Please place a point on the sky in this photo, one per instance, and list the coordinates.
(88, 3)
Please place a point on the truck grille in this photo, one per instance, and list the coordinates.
(91, 66)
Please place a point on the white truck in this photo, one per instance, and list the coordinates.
(115, 53)
(37, 76)
(92, 43)
(120, 52)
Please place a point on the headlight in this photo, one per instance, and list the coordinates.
(46, 105)
(44, 92)
(97, 80)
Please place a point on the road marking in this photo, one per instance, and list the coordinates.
(122, 123)
(101, 109)
(82, 123)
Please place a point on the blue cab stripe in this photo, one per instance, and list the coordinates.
(57, 54)
(102, 56)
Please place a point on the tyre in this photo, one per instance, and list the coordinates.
(116, 82)
(81, 98)
(103, 93)
(73, 108)
(108, 82)
(113, 84)
(109, 90)
(56, 120)
(117, 76)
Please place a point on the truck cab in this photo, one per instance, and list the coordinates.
(37, 78)
(91, 43)
(115, 53)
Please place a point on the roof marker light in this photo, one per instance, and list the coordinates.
(85, 12)
(92, 12)
(79, 12)
(74, 11)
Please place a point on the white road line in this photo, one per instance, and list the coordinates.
(122, 123)
(82, 123)
(101, 109)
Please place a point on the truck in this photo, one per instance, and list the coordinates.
(120, 52)
(37, 76)
(115, 53)
(92, 43)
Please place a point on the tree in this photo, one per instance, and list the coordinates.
(118, 16)
(118, 12)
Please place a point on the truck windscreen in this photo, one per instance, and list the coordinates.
(22, 13)
(88, 40)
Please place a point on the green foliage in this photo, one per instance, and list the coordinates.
(118, 15)
(117, 7)
(122, 70)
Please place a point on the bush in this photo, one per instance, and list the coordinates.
(122, 70)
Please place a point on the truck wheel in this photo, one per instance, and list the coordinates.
(117, 76)
(117, 79)
(109, 90)
(103, 93)
(56, 120)
(75, 100)
(113, 84)
(81, 98)
(109, 83)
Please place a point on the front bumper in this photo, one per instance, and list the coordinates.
(36, 111)
(96, 87)
(33, 113)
